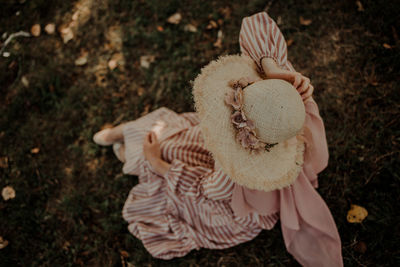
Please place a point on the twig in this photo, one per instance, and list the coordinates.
(12, 36)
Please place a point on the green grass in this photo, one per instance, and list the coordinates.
(69, 196)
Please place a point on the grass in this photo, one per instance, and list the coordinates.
(69, 196)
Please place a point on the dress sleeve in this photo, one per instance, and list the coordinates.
(316, 155)
(198, 182)
(260, 37)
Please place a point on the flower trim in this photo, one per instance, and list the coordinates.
(246, 134)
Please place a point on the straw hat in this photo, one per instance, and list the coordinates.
(275, 109)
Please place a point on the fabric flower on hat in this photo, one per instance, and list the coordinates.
(246, 134)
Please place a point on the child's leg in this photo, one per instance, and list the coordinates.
(109, 136)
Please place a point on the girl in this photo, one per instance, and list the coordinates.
(185, 200)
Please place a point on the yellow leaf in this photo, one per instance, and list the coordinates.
(356, 214)
(304, 21)
(289, 42)
(8, 193)
(35, 150)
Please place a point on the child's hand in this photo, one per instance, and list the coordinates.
(300, 82)
(151, 148)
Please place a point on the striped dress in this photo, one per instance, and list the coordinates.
(189, 207)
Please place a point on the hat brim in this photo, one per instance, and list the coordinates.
(265, 171)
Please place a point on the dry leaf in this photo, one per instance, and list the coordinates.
(146, 109)
(3, 162)
(107, 125)
(124, 254)
(8, 193)
(289, 42)
(50, 28)
(359, 6)
(190, 28)
(212, 25)
(35, 30)
(25, 81)
(66, 33)
(175, 18)
(140, 91)
(220, 36)
(387, 46)
(160, 28)
(82, 60)
(356, 214)
(116, 60)
(279, 20)
(35, 150)
(305, 22)
(145, 61)
(3, 243)
(360, 247)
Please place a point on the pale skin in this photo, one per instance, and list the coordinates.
(151, 145)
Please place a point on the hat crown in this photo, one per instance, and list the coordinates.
(276, 109)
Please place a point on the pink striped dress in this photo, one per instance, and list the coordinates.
(189, 207)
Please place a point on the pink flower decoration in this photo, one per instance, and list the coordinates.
(246, 134)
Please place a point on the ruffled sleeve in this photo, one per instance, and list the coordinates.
(198, 182)
(260, 37)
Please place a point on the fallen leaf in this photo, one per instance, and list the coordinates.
(305, 22)
(140, 91)
(82, 60)
(66, 34)
(145, 61)
(35, 150)
(360, 247)
(8, 193)
(3, 243)
(116, 60)
(124, 254)
(146, 109)
(212, 25)
(160, 28)
(356, 214)
(107, 125)
(25, 81)
(279, 20)
(3, 162)
(175, 18)
(66, 245)
(190, 28)
(50, 28)
(220, 36)
(226, 12)
(387, 46)
(359, 6)
(35, 30)
(289, 42)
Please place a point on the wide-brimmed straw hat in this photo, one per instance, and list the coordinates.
(252, 126)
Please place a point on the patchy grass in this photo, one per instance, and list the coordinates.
(69, 196)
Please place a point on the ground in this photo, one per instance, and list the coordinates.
(56, 93)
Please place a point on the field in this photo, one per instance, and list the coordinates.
(112, 61)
